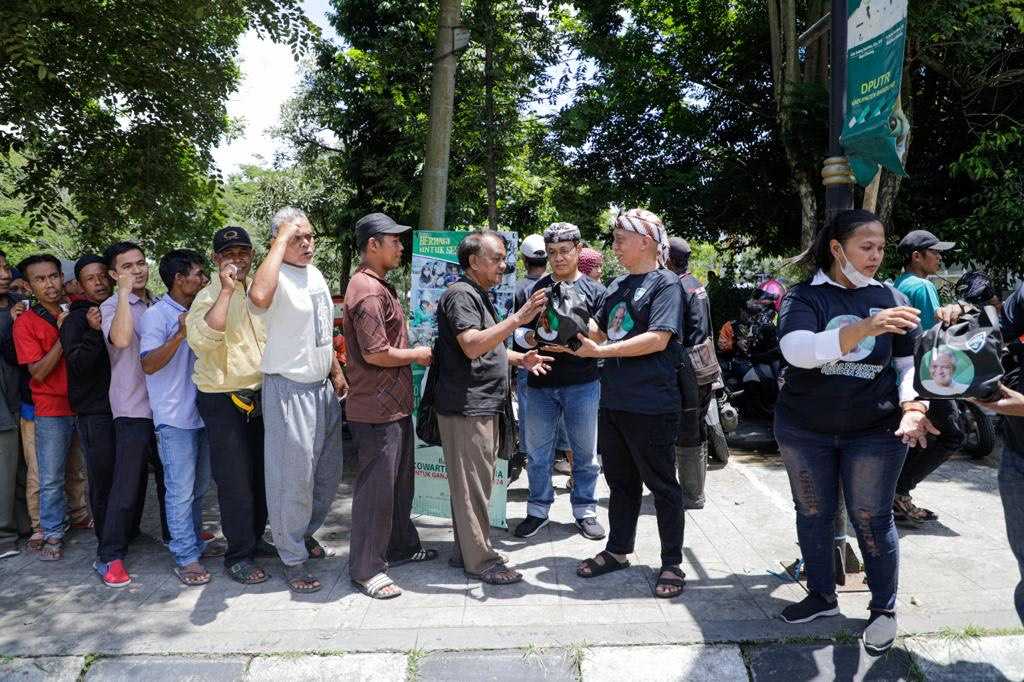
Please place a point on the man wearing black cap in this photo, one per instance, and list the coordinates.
(379, 410)
(921, 252)
(691, 460)
(228, 342)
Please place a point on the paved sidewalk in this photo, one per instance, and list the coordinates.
(956, 574)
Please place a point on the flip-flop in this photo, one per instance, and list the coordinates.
(375, 586)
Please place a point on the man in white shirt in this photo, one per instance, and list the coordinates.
(301, 411)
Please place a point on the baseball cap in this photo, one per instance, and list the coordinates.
(230, 236)
(372, 224)
(920, 240)
(533, 247)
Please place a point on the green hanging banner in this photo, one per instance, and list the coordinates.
(875, 129)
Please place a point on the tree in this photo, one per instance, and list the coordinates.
(116, 105)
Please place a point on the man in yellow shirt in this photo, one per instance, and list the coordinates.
(228, 342)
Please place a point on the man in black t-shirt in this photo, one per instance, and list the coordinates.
(472, 387)
(695, 329)
(640, 398)
(568, 395)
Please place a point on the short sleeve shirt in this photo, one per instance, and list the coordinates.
(172, 393)
(569, 370)
(374, 322)
(922, 295)
(300, 326)
(859, 391)
(635, 304)
(128, 394)
(467, 387)
(34, 336)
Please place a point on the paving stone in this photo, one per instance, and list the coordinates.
(51, 669)
(969, 660)
(825, 662)
(167, 669)
(349, 667)
(496, 666)
(663, 664)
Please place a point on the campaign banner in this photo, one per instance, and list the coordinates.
(435, 265)
(875, 129)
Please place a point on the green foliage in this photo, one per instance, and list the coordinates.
(116, 105)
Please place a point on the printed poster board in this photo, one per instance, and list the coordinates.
(435, 265)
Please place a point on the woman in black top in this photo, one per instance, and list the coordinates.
(847, 410)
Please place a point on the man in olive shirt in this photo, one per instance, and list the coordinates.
(228, 342)
(378, 410)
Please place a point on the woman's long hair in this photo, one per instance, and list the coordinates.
(819, 255)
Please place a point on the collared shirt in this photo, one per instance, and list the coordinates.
(34, 336)
(128, 394)
(172, 395)
(374, 322)
(229, 360)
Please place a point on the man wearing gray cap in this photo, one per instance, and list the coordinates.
(921, 252)
(379, 412)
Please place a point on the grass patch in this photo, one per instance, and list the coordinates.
(412, 664)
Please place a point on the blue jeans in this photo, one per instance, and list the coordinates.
(870, 464)
(53, 443)
(185, 455)
(1011, 490)
(521, 375)
(575, 406)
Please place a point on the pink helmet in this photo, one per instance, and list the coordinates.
(776, 291)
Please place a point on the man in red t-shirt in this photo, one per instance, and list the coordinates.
(37, 343)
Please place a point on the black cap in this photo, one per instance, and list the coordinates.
(376, 223)
(230, 236)
(921, 240)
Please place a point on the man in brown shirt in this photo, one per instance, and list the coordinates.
(378, 410)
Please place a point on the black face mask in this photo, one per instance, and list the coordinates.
(565, 316)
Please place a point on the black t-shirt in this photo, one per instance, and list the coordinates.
(635, 304)
(1012, 326)
(524, 288)
(696, 325)
(569, 370)
(467, 387)
(858, 392)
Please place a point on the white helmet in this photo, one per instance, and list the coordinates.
(533, 247)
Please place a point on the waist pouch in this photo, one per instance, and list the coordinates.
(248, 402)
(963, 360)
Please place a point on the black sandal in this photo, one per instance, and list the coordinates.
(610, 565)
(418, 556)
(679, 582)
(247, 573)
(315, 549)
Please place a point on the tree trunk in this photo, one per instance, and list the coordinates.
(442, 100)
(490, 169)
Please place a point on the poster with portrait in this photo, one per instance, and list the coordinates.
(435, 265)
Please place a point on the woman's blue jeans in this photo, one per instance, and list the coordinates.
(869, 464)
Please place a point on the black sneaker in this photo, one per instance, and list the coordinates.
(529, 526)
(813, 606)
(880, 633)
(590, 528)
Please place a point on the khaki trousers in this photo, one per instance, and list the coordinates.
(75, 479)
(470, 447)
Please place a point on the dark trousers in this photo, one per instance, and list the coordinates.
(638, 450)
(921, 462)
(236, 458)
(97, 434)
(134, 451)
(382, 497)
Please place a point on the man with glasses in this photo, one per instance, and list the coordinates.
(571, 391)
(922, 257)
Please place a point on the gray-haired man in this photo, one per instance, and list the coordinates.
(301, 412)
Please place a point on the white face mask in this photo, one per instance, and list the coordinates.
(858, 280)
